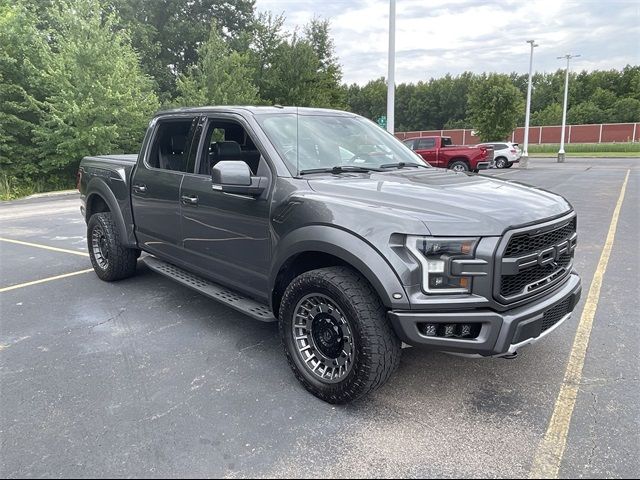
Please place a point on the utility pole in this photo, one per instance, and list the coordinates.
(391, 86)
(561, 153)
(524, 161)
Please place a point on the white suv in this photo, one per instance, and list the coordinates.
(505, 154)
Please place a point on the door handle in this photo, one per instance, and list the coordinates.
(189, 200)
(140, 188)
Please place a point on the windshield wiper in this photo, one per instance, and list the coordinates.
(340, 169)
(402, 165)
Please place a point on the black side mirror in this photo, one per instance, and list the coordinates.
(234, 176)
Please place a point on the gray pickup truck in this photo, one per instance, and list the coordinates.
(323, 222)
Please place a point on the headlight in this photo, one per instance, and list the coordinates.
(435, 256)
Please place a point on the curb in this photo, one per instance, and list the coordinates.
(59, 193)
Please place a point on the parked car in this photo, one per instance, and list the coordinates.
(439, 152)
(323, 222)
(505, 154)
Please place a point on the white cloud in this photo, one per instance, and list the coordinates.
(451, 36)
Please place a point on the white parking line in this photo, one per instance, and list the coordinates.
(43, 280)
(45, 247)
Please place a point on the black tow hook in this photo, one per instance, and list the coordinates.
(511, 356)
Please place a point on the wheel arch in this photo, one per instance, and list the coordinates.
(460, 159)
(100, 198)
(318, 246)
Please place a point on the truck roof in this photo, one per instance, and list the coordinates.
(255, 110)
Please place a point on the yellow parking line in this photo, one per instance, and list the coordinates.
(546, 463)
(46, 247)
(49, 279)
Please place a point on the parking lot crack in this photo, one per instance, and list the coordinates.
(110, 319)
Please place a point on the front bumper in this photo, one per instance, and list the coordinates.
(500, 333)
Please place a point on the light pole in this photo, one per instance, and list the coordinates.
(564, 108)
(524, 161)
(391, 87)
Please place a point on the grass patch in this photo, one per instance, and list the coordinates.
(606, 149)
(12, 187)
(588, 155)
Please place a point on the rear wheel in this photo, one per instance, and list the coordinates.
(111, 261)
(337, 339)
(501, 162)
(509, 165)
(459, 166)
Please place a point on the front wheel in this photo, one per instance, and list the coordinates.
(336, 336)
(111, 261)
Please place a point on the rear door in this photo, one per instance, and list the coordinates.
(426, 148)
(155, 185)
(226, 236)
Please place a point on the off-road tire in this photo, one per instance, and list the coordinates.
(375, 346)
(111, 261)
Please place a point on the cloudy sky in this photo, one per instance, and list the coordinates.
(435, 37)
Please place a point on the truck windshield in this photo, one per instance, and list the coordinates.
(316, 142)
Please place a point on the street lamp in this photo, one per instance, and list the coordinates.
(524, 161)
(391, 87)
(564, 108)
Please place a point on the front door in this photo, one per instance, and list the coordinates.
(155, 186)
(226, 236)
(426, 148)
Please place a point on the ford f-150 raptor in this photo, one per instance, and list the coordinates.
(323, 222)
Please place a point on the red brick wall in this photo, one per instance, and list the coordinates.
(611, 132)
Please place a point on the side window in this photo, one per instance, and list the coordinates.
(227, 140)
(446, 141)
(410, 144)
(171, 143)
(426, 143)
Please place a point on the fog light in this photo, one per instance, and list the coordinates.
(465, 331)
(430, 330)
(449, 330)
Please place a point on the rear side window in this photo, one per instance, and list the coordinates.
(425, 143)
(171, 145)
(410, 143)
(446, 141)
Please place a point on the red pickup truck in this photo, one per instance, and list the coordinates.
(439, 152)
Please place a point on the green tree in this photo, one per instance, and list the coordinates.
(551, 115)
(494, 106)
(99, 100)
(626, 110)
(23, 55)
(168, 33)
(329, 73)
(585, 112)
(220, 77)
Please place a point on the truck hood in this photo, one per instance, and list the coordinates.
(448, 203)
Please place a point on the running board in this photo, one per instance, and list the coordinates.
(212, 290)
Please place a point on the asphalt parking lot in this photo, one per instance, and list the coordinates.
(144, 377)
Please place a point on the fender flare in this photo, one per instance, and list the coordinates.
(349, 248)
(98, 186)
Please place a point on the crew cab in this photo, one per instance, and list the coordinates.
(323, 222)
(440, 152)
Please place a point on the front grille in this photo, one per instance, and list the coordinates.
(514, 284)
(532, 261)
(525, 243)
(555, 314)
